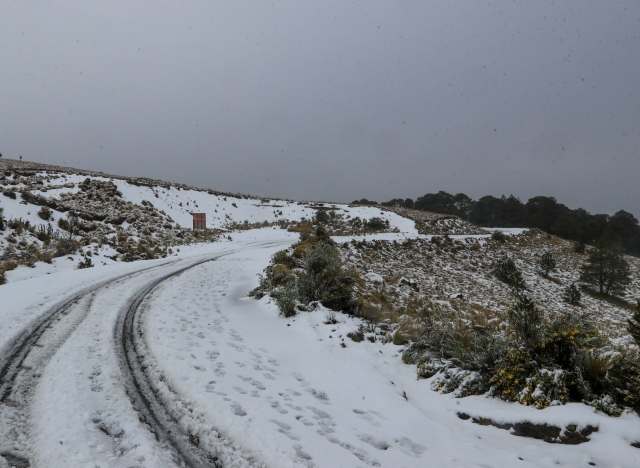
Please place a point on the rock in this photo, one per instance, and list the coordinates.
(356, 336)
(407, 282)
(374, 278)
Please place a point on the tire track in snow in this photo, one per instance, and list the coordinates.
(145, 401)
(20, 370)
(163, 420)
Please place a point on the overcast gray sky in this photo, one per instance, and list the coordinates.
(332, 100)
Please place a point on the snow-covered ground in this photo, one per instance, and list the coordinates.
(246, 384)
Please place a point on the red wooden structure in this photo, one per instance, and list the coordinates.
(199, 221)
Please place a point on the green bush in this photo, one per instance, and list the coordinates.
(547, 264)
(525, 320)
(499, 236)
(506, 271)
(282, 257)
(376, 224)
(572, 295)
(323, 279)
(539, 362)
(322, 216)
(314, 272)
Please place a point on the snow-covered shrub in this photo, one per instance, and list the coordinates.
(312, 273)
(537, 362)
(323, 279)
(45, 213)
(287, 299)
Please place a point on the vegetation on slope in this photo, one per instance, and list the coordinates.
(540, 212)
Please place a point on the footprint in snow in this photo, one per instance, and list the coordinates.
(276, 406)
(303, 457)
(285, 429)
(367, 417)
(358, 452)
(303, 420)
(237, 410)
(258, 385)
(240, 390)
(218, 371)
(321, 396)
(409, 447)
(375, 443)
(237, 347)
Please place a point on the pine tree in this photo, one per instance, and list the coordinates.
(634, 325)
(572, 295)
(606, 270)
(507, 272)
(547, 263)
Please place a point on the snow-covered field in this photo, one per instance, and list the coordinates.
(243, 385)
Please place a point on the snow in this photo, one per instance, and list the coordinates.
(280, 392)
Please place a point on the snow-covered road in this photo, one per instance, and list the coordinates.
(168, 363)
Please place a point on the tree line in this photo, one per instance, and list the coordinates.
(540, 212)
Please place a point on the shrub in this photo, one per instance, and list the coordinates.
(579, 247)
(286, 299)
(283, 258)
(322, 217)
(525, 320)
(507, 272)
(323, 279)
(499, 236)
(547, 264)
(85, 264)
(541, 363)
(376, 224)
(572, 295)
(45, 213)
(312, 273)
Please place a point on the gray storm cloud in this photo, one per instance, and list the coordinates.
(332, 100)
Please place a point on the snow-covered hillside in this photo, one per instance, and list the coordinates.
(124, 218)
(168, 363)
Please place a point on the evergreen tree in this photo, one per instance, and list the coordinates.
(507, 272)
(572, 295)
(634, 325)
(547, 263)
(606, 270)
